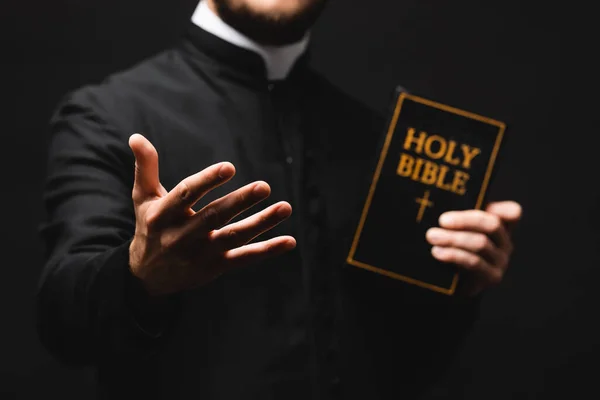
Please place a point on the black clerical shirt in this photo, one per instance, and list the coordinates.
(300, 326)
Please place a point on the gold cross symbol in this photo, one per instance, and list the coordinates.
(424, 202)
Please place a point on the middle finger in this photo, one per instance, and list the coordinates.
(474, 242)
(219, 212)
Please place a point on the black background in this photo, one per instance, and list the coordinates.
(527, 63)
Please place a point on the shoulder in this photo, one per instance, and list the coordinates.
(96, 120)
(129, 100)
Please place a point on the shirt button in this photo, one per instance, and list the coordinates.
(289, 160)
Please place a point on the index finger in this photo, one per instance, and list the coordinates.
(187, 192)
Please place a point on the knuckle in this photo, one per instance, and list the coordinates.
(232, 236)
(496, 277)
(168, 241)
(480, 242)
(471, 261)
(209, 216)
(263, 219)
(480, 218)
(240, 197)
(152, 219)
(212, 173)
(494, 224)
(183, 190)
(136, 195)
(268, 247)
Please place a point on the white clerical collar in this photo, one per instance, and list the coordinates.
(279, 60)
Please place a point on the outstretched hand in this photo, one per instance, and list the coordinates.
(176, 248)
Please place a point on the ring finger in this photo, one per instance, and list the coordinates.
(221, 211)
(468, 261)
(244, 231)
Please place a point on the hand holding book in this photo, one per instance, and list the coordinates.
(431, 180)
(478, 242)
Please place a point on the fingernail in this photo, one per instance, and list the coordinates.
(224, 171)
(446, 219)
(433, 234)
(290, 244)
(437, 251)
(261, 189)
(283, 211)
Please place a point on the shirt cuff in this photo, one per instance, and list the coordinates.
(150, 315)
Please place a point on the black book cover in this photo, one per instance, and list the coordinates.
(435, 158)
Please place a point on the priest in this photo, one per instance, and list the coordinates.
(200, 206)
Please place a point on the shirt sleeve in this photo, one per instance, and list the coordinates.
(90, 306)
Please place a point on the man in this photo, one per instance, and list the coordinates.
(155, 277)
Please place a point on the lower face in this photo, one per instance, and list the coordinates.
(270, 21)
(272, 9)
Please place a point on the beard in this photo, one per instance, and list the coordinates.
(271, 29)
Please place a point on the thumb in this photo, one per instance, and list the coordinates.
(508, 211)
(146, 183)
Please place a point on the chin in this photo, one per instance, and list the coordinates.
(272, 22)
(277, 9)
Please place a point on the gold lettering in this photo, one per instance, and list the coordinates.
(460, 181)
(405, 165)
(410, 139)
(429, 173)
(450, 153)
(441, 151)
(441, 177)
(469, 153)
(417, 169)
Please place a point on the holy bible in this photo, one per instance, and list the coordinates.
(435, 158)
